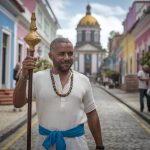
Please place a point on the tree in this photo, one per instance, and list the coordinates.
(113, 33)
(114, 75)
(42, 64)
(145, 59)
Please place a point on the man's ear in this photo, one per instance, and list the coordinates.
(50, 55)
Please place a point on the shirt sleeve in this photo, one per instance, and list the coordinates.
(139, 74)
(88, 99)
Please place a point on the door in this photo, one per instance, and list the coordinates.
(4, 54)
(87, 64)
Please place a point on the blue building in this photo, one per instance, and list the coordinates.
(9, 10)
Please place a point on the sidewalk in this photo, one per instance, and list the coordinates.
(10, 121)
(129, 99)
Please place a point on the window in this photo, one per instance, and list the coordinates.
(46, 27)
(142, 53)
(92, 36)
(87, 58)
(83, 36)
(19, 53)
(39, 20)
(149, 48)
(127, 67)
(4, 55)
(131, 65)
(138, 59)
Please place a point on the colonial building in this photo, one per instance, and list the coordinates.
(88, 50)
(9, 11)
(15, 18)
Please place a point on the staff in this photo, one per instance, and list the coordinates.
(31, 39)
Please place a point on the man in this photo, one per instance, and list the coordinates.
(16, 73)
(64, 100)
(143, 77)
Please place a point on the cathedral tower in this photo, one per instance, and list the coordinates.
(88, 50)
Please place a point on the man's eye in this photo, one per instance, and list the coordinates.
(70, 54)
(61, 54)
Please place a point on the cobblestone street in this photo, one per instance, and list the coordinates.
(120, 130)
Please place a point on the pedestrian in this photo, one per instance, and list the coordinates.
(64, 101)
(16, 73)
(143, 76)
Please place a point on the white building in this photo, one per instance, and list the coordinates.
(88, 50)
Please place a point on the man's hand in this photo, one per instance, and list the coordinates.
(28, 64)
(101, 147)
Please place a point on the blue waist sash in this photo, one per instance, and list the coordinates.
(57, 137)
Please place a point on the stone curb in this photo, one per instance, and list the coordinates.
(133, 109)
(13, 127)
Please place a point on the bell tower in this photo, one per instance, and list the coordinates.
(88, 50)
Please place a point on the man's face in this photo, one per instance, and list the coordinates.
(62, 56)
(146, 69)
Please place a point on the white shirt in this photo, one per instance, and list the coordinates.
(63, 113)
(143, 75)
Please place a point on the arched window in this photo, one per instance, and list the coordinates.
(92, 36)
(83, 36)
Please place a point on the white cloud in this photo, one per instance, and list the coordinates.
(107, 10)
(59, 7)
(108, 24)
(70, 31)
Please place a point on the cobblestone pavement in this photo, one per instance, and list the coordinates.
(120, 130)
(8, 113)
(129, 99)
(10, 120)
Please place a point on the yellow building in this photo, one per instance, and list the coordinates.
(128, 53)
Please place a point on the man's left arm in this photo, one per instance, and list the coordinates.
(95, 128)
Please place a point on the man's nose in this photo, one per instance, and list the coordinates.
(66, 56)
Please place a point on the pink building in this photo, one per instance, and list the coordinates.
(46, 23)
(23, 24)
(137, 22)
(141, 33)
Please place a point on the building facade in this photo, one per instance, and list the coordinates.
(88, 50)
(135, 42)
(15, 23)
(141, 33)
(9, 11)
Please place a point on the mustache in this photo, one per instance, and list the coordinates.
(66, 62)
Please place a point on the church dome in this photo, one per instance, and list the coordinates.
(88, 19)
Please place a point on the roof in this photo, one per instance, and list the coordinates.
(88, 19)
(18, 5)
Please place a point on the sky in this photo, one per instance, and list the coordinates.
(110, 14)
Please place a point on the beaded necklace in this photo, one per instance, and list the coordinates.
(54, 86)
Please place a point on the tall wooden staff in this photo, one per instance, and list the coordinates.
(31, 39)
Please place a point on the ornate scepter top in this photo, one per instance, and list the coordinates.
(32, 38)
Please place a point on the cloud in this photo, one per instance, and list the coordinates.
(108, 24)
(107, 10)
(59, 7)
(70, 30)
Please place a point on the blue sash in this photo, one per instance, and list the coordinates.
(57, 137)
